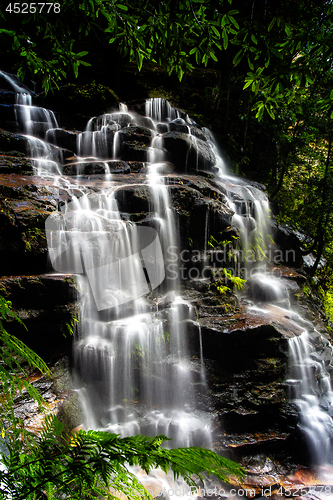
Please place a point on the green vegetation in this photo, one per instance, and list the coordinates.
(13, 376)
(93, 463)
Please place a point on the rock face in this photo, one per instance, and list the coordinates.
(245, 353)
(187, 152)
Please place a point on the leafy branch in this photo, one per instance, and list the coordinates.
(96, 462)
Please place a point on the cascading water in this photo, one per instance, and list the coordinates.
(133, 368)
(310, 386)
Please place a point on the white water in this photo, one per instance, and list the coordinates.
(134, 373)
(311, 390)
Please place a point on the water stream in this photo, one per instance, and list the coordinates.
(134, 371)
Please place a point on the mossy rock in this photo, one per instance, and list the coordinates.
(70, 413)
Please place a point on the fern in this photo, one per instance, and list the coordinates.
(13, 377)
(96, 463)
(235, 280)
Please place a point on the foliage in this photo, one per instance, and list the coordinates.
(236, 281)
(276, 51)
(96, 463)
(229, 279)
(171, 34)
(13, 377)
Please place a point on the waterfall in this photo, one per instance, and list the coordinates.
(134, 372)
(311, 390)
(133, 368)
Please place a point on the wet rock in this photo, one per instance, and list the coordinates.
(38, 291)
(263, 288)
(145, 121)
(258, 464)
(62, 138)
(13, 142)
(134, 151)
(137, 166)
(249, 443)
(254, 335)
(162, 128)
(136, 134)
(19, 145)
(188, 153)
(97, 168)
(25, 204)
(134, 199)
(101, 141)
(178, 126)
(10, 81)
(70, 413)
(7, 115)
(7, 97)
(197, 132)
(289, 240)
(46, 306)
(16, 165)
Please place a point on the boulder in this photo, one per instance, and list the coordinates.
(25, 203)
(45, 304)
(63, 138)
(97, 168)
(136, 134)
(189, 153)
(134, 199)
(134, 151)
(7, 115)
(16, 165)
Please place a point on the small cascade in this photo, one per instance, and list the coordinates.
(310, 388)
(252, 219)
(160, 110)
(36, 121)
(101, 138)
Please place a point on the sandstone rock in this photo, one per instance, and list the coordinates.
(16, 165)
(188, 153)
(96, 168)
(135, 133)
(63, 138)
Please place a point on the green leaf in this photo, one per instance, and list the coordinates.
(238, 57)
(248, 84)
(250, 63)
(216, 31)
(270, 111)
(271, 24)
(213, 56)
(233, 21)
(180, 73)
(121, 7)
(225, 39)
(139, 60)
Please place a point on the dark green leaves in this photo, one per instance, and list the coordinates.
(96, 463)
